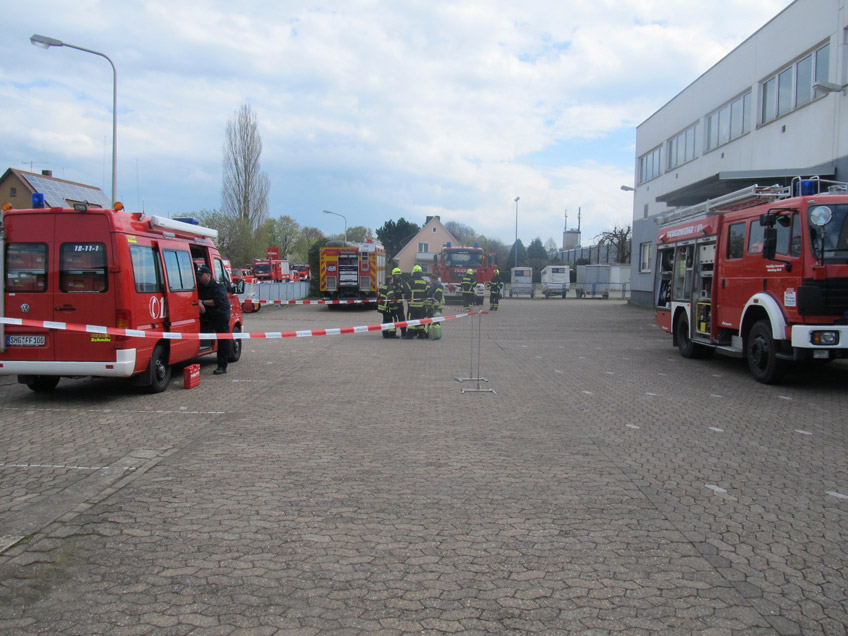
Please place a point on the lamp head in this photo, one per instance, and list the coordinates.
(44, 42)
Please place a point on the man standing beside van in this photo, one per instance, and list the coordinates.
(215, 308)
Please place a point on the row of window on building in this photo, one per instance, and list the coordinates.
(790, 88)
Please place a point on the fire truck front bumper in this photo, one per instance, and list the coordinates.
(821, 341)
(122, 367)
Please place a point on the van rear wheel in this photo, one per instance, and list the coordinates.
(43, 383)
(160, 370)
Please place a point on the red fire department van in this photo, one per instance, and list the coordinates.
(759, 274)
(104, 267)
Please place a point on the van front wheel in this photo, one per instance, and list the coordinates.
(160, 370)
(43, 383)
(235, 351)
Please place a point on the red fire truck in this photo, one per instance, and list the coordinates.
(273, 270)
(759, 274)
(109, 268)
(451, 264)
(352, 270)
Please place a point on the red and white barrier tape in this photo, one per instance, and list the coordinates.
(169, 335)
(309, 302)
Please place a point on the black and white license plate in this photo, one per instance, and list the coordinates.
(25, 341)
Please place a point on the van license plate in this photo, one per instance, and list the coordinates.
(25, 341)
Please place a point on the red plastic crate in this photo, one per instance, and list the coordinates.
(191, 376)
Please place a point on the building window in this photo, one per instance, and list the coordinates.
(434, 229)
(681, 148)
(650, 165)
(423, 248)
(13, 192)
(645, 250)
(729, 122)
(792, 87)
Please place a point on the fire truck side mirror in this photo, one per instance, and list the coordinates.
(239, 287)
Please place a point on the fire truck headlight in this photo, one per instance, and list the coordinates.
(825, 338)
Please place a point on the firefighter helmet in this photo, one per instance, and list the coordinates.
(470, 271)
(497, 271)
(396, 271)
(416, 268)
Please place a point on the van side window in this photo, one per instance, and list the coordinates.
(755, 237)
(82, 268)
(735, 240)
(26, 267)
(220, 274)
(146, 269)
(179, 269)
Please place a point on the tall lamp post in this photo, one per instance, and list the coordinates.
(44, 42)
(345, 221)
(516, 230)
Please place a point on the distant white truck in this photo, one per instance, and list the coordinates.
(521, 280)
(556, 280)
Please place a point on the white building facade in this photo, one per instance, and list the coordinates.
(771, 110)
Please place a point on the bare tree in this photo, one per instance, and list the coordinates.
(245, 191)
(619, 238)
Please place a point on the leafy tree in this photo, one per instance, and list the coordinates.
(522, 256)
(619, 238)
(281, 233)
(394, 235)
(500, 251)
(537, 256)
(464, 234)
(359, 234)
(235, 238)
(245, 190)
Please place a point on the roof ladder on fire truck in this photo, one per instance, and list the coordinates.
(744, 198)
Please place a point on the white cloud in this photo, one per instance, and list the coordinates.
(377, 108)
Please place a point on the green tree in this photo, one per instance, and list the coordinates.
(522, 256)
(394, 235)
(537, 256)
(464, 234)
(245, 191)
(235, 237)
(282, 233)
(359, 234)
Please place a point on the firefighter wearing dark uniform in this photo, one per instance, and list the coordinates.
(385, 302)
(435, 300)
(401, 291)
(468, 283)
(417, 298)
(495, 288)
(215, 311)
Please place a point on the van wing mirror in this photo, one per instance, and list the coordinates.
(239, 287)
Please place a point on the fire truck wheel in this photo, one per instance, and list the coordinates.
(687, 348)
(160, 370)
(237, 344)
(43, 383)
(761, 352)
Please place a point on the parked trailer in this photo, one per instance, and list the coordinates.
(556, 280)
(521, 282)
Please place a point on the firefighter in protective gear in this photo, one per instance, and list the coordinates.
(435, 300)
(400, 291)
(417, 298)
(385, 302)
(468, 282)
(495, 289)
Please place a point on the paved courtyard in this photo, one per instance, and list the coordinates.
(347, 485)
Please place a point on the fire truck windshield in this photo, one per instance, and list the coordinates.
(463, 259)
(830, 241)
(263, 268)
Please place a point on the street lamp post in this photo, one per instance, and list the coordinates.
(44, 42)
(345, 221)
(516, 230)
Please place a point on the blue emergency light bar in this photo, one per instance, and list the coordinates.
(37, 200)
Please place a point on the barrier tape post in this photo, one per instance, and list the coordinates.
(471, 370)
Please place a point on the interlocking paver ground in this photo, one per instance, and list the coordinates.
(344, 484)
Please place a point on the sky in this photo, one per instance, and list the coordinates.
(372, 109)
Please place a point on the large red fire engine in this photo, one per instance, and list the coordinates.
(452, 263)
(273, 270)
(107, 268)
(759, 274)
(352, 270)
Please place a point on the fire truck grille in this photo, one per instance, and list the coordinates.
(823, 297)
